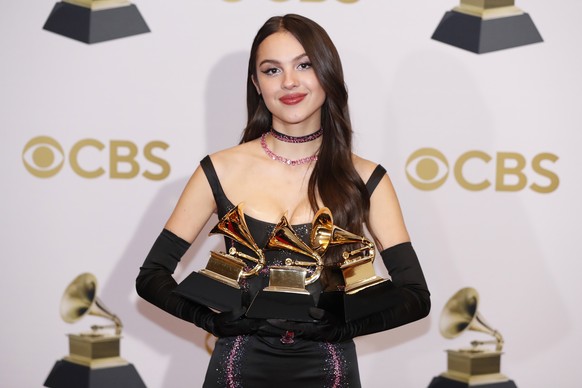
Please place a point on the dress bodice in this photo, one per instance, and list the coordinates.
(262, 230)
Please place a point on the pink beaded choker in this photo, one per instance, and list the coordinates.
(282, 159)
(296, 139)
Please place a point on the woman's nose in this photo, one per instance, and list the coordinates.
(289, 81)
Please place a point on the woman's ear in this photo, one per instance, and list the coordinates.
(256, 84)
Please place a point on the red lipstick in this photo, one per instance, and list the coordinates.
(292, 99)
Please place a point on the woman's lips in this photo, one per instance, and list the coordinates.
(292, 99)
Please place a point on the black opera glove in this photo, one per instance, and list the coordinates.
(408, 294)
(233, 323)
(155, 284)
(326, 327)
(404, 268)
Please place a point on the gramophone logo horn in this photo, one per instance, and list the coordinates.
(80, 298)
(461, 313)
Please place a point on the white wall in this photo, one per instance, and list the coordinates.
(183, 84)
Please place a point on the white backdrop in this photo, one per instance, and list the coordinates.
(183, 85)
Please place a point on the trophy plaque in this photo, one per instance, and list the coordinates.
(286, 296)
(482, 26)
(218, 285)
(93, 21)
(363, 292)
(474, 366)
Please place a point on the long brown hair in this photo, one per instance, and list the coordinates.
(334, 177)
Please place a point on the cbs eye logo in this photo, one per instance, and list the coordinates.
(44, 157)
(428, 169)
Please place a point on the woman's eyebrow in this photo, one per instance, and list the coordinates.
(274, 61)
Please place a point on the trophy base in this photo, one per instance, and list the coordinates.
(362, 285)
(358, 275)
(210, 292)
(475, 34)
(444, 382)
(472, 368)
(349, 307)
(66, 374)
(93, 26)
(281, 305)
(95, 350)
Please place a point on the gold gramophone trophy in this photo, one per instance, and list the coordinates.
(477, 365)
(218, 285)
(94, 357)
(363, 292)
(286, 296)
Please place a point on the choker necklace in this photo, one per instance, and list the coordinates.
(296, 139)
(281, 159)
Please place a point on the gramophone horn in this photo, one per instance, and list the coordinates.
(461, 313)
(322, 230)
(80, 298)
(324, 233)
(234, 226)
(284, 237)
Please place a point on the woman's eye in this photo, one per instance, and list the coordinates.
(271, 71)
(305, 65)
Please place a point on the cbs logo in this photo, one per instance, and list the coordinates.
(44, 157)
(428, 169)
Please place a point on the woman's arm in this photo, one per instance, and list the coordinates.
(194, 208)
(155, 282)
(407, 294)
(386, 220)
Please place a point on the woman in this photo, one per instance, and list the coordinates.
(295, 157)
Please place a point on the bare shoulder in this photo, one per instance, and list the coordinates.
(364, 167)
(234, 159)
(386, 218)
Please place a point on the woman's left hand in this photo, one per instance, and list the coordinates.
(325, 327)
(233, 323)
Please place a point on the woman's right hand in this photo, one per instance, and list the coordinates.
(233, 323)
(325, 327)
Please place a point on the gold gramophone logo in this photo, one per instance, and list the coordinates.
(93, 21)
(479, 364)
(94, 355)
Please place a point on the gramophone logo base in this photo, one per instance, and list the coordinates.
(88, 25)
(474, 366)
(480, 35)
(66, 374)
(95, 350)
